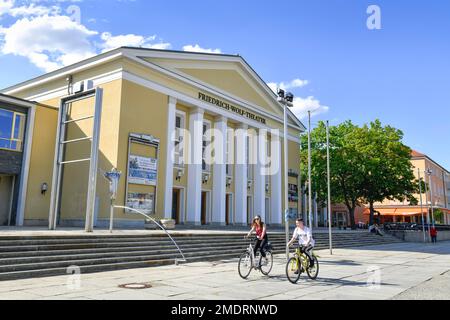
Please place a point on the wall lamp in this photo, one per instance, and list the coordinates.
(44, 188)
(180, 174)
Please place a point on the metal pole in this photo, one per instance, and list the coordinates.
(92, 185)
(329, 188)
(428, 208)
(286, 182)
(431, 199)
(111, 217)
(421, 207)
(309, 172)
(300, 187)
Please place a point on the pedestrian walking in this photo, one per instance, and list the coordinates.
(433, 234)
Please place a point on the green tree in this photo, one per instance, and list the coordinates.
(347, 174)
(438, 216)
(369, 164)
(386, 162)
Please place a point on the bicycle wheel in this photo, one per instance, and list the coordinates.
(314, 271)
(267, 267)
(293, 270)
(245, 265)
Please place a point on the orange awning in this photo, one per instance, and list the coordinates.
(397, 211)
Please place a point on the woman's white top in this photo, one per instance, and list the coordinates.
(304, 236)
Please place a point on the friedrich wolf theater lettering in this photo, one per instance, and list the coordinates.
(229, 107)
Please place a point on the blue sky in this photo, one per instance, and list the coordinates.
(399, 74)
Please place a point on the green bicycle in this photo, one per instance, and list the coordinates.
(300, 263)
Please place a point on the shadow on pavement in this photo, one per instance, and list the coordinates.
(324, 282)
(442, 248)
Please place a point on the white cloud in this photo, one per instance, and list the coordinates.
(50, 39)
(303, 105)
(111, 42)
(49, 42)
(197, 48)
(296, 83)
(5, 6)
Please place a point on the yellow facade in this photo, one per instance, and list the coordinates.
(135, 100)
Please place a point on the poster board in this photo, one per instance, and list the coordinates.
(142, 173)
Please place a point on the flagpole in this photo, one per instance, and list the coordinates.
(329, 188)
(421, 207)
(309, 172)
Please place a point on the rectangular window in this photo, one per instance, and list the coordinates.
(206, 158)
(179, 140)
(12, 130)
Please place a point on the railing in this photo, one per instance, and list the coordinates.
(413, 227)
(162, 228)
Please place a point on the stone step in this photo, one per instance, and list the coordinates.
(112, 239)
(41, 256)
(48, 271)
(108, 241)
(64, 247)
(52, 258)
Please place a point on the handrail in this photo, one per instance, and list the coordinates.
(162, 228)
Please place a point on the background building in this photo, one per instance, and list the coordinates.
(436, 195)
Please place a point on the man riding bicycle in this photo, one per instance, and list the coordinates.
(305, 240)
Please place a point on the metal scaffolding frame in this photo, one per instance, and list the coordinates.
(59, 162)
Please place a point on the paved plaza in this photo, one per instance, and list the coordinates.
(395, 271)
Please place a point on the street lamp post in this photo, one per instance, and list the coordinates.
(428, 208)
(309, 173)
(329, 187)
(287, 100)
(421, 206)
(430, 172)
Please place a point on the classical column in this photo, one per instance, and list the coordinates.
(277, 215)
(219, 171)
(241, 179)
(259, 174)
(168, 190)
(194, 189)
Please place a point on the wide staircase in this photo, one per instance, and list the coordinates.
(39, 256)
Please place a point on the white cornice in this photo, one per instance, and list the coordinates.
(78, 67)
(197, 103)
(208, 89)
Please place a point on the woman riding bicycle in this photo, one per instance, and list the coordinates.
(259, 227)
(305, 239)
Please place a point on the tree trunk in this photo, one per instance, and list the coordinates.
(372, 214)
(352, 218)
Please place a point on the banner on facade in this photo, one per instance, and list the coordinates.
(142, 170)
(141, 201)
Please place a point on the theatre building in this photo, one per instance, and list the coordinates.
(198, 139)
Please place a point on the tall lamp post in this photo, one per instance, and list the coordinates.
(329, 188)
(421, 206)
(429, 173)
(310, 218)
(287, 100)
